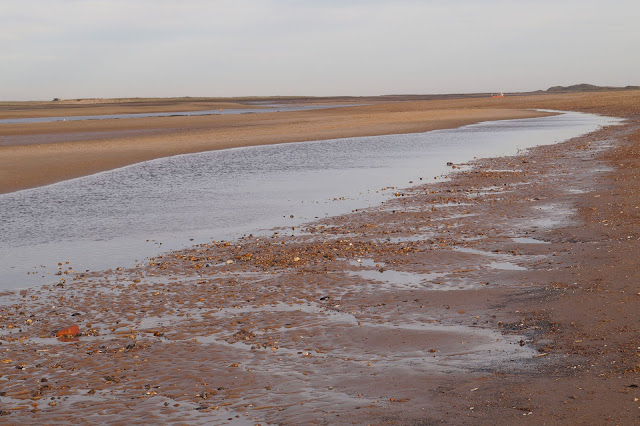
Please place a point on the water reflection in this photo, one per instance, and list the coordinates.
(266, 108)
(115, 218)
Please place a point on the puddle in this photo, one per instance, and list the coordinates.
(576, 191)
(554, 216)
(478, 252)
(392, 280)
(528, 240)
(420, 236)
(502, 261)
(507, 266)
(557, 208)
(367, 262)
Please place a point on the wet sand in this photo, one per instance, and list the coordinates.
(508, 294)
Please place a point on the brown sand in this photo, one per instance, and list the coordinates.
(343, 323)
(38, 154)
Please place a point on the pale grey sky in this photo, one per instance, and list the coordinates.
(153, 48)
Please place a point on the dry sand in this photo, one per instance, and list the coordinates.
(423, 310)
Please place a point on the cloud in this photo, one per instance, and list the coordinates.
(83, 48)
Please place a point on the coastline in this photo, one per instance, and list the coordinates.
(29, 158)
(295, 328)
(33, 155)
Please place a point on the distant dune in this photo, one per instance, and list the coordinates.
(584, 87)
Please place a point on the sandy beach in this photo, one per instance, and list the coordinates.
(506, 295)
(38, 154)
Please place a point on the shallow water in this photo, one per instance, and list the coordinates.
(529, 240)
(267, 108)
(120, 217)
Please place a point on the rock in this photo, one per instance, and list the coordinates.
(72, 331)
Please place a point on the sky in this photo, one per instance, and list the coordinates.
(160, 48)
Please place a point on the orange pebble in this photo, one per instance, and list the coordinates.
(74, 330)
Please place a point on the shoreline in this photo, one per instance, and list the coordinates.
(83, 148)
(535, 252)
(208, 221)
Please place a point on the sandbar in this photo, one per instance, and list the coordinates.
(37, 154)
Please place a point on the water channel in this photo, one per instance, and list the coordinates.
(221, 111)
(120, 217)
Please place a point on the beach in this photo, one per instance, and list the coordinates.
(505, 294)
(38, 154)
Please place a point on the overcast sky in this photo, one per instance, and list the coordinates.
(154, 48)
